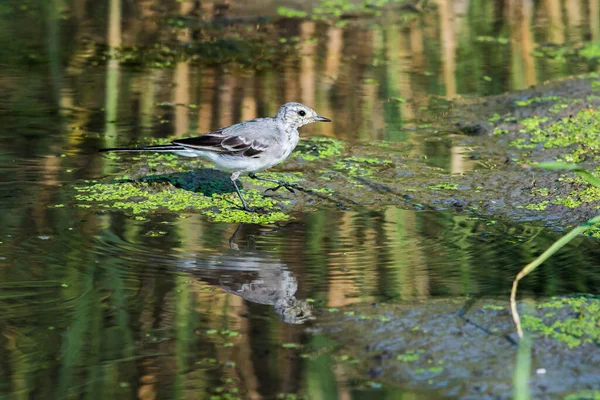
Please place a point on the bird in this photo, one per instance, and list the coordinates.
(246, 147)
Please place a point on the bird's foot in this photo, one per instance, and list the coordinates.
(288, 186)
(247, 209)
(257, 210)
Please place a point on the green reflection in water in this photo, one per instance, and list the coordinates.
(129, 312)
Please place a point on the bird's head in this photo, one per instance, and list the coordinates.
(297, 115)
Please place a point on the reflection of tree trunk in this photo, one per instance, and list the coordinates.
(147, 100)
(397, 81)
(421, 273)
(267, 90)
(181, 97)
(112, 74)
(307, 64)
(516, 24)
(397, 234)
(147, 382)
(207, 9)
(225, 91)
(185, 7)
(290, 90)
(288, 366)
(357, 43)
(458, 163)
(205, 99)
(148, 368)
(409, 59)
(595, 19)
(329, 76)
(54, 52)
(114, 24)
(145, 27)
(244, 358)
(334, 52)
(449, 47)
(249, 99)
(556, 27)
(182, 330)
(341, 291)
(410, 266)
(111, 103)
(63, 101)
(155, 315)
(528, 43)
(345, 389)
(182, 78)
(417, 64)
(574, 19)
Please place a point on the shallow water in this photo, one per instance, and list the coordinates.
(97, 304)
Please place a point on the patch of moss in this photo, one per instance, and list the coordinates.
(318, 148)
(590, 194)
(445, 186)
(540, 192)
(495, 117)
(555, 109)
(580, 133)
(534, 122)
(583, 327)
(410, 355)
(493, 307)
(537, 206)
(138, 198)
(568, 201)
(359, 166)
(523, 103)
(584, 395)
(521, 143)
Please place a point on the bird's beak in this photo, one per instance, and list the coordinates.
(322, 119)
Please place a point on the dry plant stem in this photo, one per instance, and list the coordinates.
(535, 263)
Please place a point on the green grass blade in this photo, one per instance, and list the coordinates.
(560, 243)
(585, 174)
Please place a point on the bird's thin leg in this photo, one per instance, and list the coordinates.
(234, 177)
(280, 184)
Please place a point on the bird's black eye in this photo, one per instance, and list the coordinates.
(302, 113)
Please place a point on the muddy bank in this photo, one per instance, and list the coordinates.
(467, 348)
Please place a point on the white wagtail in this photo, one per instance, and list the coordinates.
(248, 146)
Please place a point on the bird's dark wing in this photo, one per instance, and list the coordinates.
(221, 143)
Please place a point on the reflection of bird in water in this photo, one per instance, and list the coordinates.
(257, 277)
(271, 284)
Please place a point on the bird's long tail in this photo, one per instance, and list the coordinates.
(167, 147)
